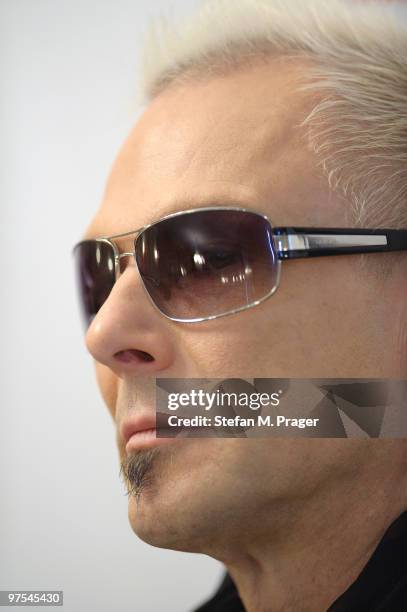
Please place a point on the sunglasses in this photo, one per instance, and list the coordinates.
(206, 263)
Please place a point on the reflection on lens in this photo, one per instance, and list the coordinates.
(95, 276)
(206, 263)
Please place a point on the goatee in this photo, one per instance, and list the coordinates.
(135, 471)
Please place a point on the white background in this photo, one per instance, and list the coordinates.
(69, 88)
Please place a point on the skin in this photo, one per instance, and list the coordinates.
(294, 521)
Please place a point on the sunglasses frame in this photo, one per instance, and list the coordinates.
(289, 243)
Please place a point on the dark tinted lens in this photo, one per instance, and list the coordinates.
(95, 276)
(207, 263)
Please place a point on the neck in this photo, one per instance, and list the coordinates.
(312, 552)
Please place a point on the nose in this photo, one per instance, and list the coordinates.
(128, 334)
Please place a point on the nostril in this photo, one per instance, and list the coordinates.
(133, 355)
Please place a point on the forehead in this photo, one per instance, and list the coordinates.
(230, 140)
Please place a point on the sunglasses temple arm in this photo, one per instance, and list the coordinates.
(296, 243)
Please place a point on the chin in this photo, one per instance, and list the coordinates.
(157, 510)
(187, 500)
(158, 523)
(176, 508)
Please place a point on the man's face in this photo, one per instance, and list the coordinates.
(234, 140)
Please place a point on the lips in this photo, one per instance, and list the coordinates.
(139, 432)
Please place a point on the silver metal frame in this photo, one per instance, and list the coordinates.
(139, 232)
(305, 242)
(286, 243)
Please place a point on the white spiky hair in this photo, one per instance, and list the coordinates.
(358, 128)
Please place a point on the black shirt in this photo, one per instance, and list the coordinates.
(380, 587)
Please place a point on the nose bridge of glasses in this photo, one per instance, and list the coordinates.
(120, 256)
(135, 233)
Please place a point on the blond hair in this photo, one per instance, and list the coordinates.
(358, 126)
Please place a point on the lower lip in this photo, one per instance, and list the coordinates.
(146, 439)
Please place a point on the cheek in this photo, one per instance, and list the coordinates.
(108, 384)
(314, 325)
(239, 346)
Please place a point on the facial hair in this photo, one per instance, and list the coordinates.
(135, 471)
